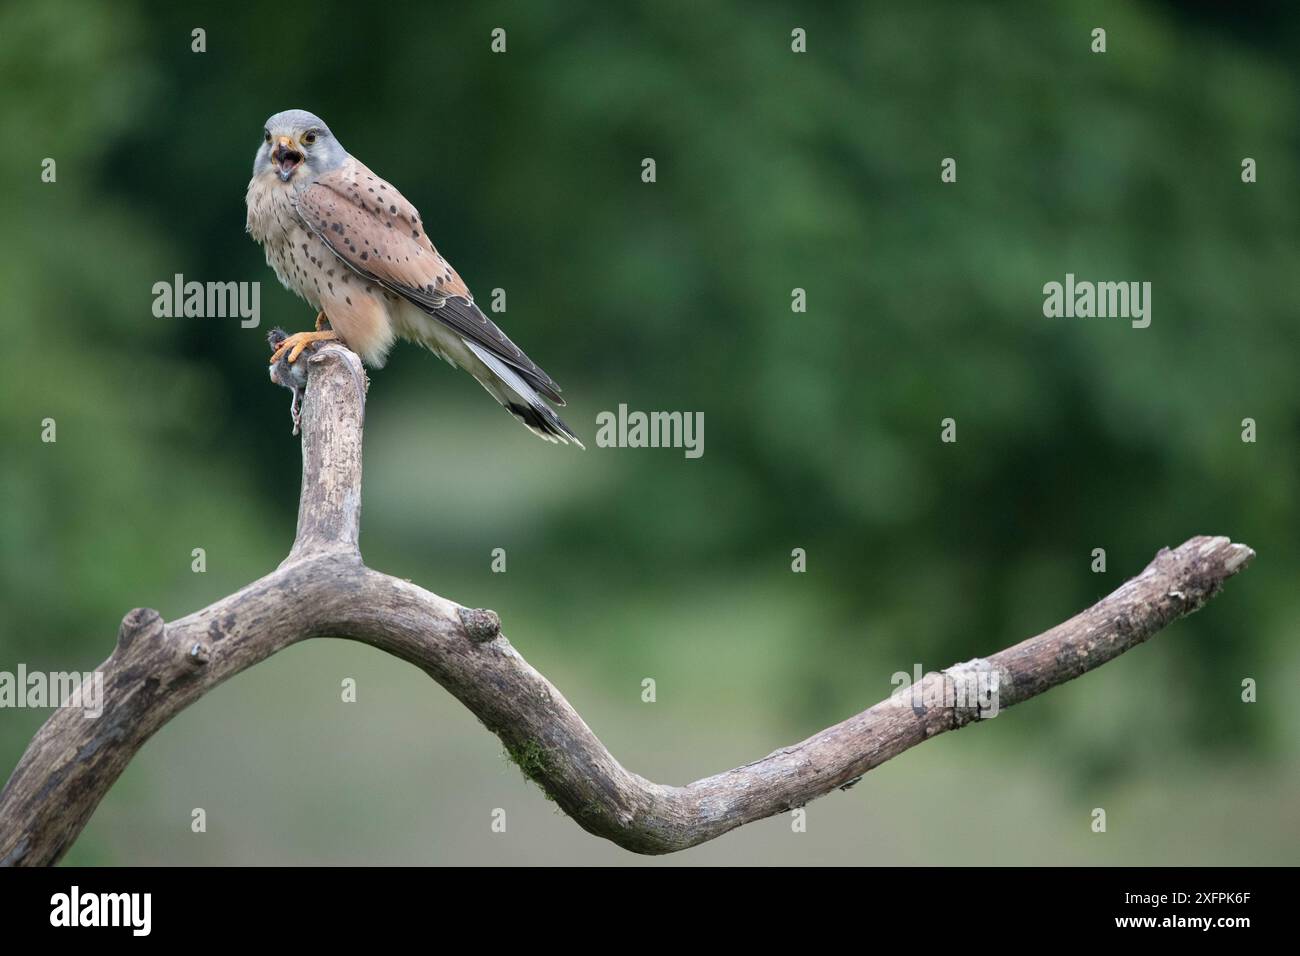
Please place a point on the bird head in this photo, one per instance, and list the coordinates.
(297, 146)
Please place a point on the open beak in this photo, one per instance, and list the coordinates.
(285, 157)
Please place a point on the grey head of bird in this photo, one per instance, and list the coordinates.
(297, 147)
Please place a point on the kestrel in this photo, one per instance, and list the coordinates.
(352, 246)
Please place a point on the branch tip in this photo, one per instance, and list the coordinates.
(1239, 556)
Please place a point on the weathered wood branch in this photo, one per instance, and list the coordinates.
(323, 589)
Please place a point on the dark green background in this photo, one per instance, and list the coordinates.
(775, 171)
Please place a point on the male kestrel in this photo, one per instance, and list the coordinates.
(357, 251)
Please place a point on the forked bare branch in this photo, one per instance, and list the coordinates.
(323, 589)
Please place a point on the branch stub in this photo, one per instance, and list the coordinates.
(137, 622)
(481, 624)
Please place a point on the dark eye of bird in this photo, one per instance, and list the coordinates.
(309, 138)
(267, 134)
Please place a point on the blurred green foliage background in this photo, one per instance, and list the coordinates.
(776, 170)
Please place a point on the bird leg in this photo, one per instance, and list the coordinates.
(295, 343)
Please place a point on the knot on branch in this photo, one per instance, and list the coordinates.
(971, 689)
(198, 654)
(481, 625)
(140, 622)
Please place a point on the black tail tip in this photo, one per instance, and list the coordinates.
(544, 423)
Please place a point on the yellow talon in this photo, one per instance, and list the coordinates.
(295, 343)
